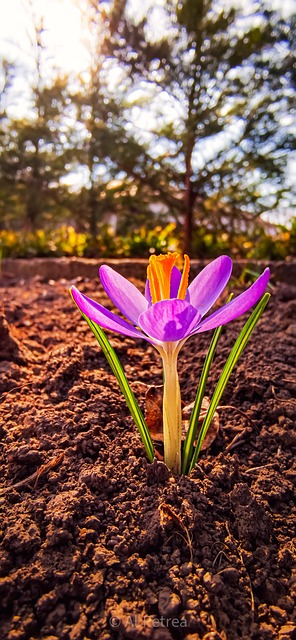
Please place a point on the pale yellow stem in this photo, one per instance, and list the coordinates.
(172, 415)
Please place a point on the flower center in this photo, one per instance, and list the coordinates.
(159, 274)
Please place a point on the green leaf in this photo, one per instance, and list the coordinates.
(118, 371)
(227, 371)
(191, 433)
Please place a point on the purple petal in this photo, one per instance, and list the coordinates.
(169, 320)
(209, 284)
(101, 316)
(236, 307)
(175, 282)
(148, 293)
(126, 297)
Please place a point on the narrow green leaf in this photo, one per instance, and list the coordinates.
(226, 373)
(118, 371)
(191, 433)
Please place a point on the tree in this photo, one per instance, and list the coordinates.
(8, 201)
(214, 83)
(35, 150)
(97, 116)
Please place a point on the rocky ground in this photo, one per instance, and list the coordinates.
(99, 544)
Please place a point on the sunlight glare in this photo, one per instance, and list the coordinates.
(65, 34)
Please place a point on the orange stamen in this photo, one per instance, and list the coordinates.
(154, 284)
(159, 275)
(184, 280)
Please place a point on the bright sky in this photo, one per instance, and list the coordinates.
(64, 35)
(63, 20)
(65, 29)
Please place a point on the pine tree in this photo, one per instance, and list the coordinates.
(36, 148)
(214, 83)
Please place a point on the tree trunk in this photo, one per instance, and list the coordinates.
(32, 209)
(92, 207)
(188, 200)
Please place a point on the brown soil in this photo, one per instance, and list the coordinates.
(97, 543)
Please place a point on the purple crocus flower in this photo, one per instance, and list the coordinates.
(176, 311)
(170, 312)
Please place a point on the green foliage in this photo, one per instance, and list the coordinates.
(278, 246)
(277, 243)
(192, 429)
(230, 364)
(142, 241)
(66, 241)
(124, 385)
(40, 243)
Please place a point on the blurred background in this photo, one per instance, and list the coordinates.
(129, 127)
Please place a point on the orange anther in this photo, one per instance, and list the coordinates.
(184, 280)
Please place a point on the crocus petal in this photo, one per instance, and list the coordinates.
(148, 293)
(169, 320)
(209, 284)
(101, 316)
(126, 297)
(236, 307)
(175, 282)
